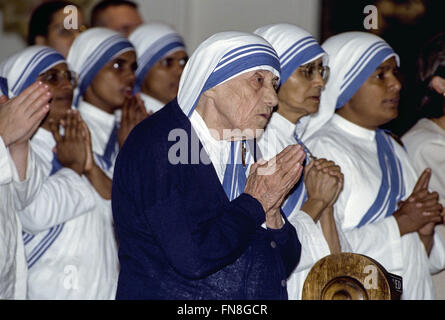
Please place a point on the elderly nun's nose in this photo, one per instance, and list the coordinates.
(271, 96)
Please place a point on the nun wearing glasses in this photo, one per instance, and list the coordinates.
(309, 207)
(385, 210)
(71, 251)
(161, 60)
(197, 212)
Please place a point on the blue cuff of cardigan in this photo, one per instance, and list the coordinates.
(252, 207)
(281, 235)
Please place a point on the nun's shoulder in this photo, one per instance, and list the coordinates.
(325, 135)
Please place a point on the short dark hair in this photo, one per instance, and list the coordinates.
(430, 61)
(105, 4)
(41, 18)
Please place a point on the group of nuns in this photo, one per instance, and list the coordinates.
(83, 234)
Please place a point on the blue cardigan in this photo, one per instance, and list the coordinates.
(179, 235)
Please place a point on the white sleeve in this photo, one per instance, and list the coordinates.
(5, 169)
(23, 192)
(431, 155)
(380, 241)
(63, 196)
(437, 254)
(313, 244)
(313, 248)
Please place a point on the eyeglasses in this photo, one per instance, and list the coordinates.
(311, 69)
(56, 77)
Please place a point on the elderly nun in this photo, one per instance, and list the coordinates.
(161, 60)
(196, 216)
(382, 211)
(105, 63)
(70, 248)
(20, 175)
(309, 207)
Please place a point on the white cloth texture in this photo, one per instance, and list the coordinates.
(278, 135)
(153, 42)
(357, 55)
(90, 51)
(20, 70)
(425, 144)
(362, 212)
(151, 104)
(70, 245)
(15, 194)
(101, 125)
(17, 73)
(354, 149)
(295, 47)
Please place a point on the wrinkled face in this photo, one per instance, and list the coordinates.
(123, 19)
(61, 88)
(300, 94)
(375, 103)
(113, 83)
(59, 37)
(246, 102)
(162, 80)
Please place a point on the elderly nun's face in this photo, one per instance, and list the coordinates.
(300, 94)
(242, 105)
(376, 102)
(61, 83)
(113, 83)
(162, 80)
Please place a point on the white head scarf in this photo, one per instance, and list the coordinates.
(294, 45)
(353, 57)
(21, 70)
(90, 51)
(220, 58)
(153, 41)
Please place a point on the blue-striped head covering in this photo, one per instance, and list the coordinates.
(294, 45)
(218, 59)
(21, 70)
(153, 41)
(221, 57)
(353, 57)
(90, 51)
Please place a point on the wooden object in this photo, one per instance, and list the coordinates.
(350, 276)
